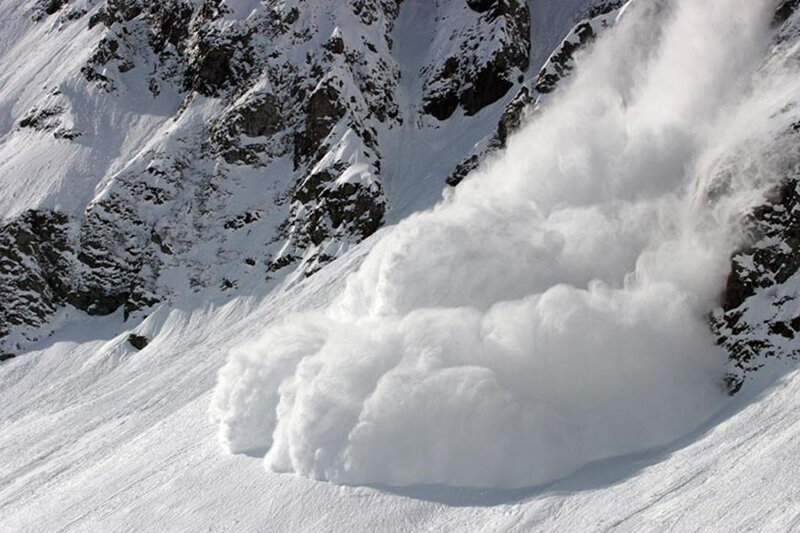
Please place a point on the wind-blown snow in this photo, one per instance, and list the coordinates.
(552, 311)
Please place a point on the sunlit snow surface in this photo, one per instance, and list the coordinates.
(95, 436)
(552, 311)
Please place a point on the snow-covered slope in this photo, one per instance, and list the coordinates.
(100, 437)
(554, 308)
(189, 186)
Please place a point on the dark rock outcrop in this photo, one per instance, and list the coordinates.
(326, 208)
(36, 265)
(480, 70)
(139, 342)
(785, 10)
(760, 313)
(275, 156)
(561, 63)
(42, 119)
(509, 122)
(259, 116)
(558, 67)
(45, 8)
(49, 261)
(323, 111)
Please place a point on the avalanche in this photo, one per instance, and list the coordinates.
(553, 310)
(535, 352)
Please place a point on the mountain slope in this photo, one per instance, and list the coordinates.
(119, 440)
(182, 147)
(225, 165)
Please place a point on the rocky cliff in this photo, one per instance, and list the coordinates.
(213, 146)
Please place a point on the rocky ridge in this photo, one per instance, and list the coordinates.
(599, 17)
(270, 163)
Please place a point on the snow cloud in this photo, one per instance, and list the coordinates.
(551, 311)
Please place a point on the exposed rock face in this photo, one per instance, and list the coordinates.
(176, 40)
(561, 63)
(47, 263)
(47, 7)
(323, 111)
(603, 7)
(342, 88)
(36, 260)
(484, 56)
(41, 119)
(52, 115)
(784, 11)
(280, 115)
(287, 84)
(258, 116)
(760, 315)
(139, 342)
(510, 121)
(601, 16)
(759, 318)
(348, 205)
(277, 119)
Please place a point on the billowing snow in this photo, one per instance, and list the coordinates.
(552, 311)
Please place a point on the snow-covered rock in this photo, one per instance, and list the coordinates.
(759, 319)
(218, 145)
(599, 16)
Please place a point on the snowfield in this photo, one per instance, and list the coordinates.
(98, 437)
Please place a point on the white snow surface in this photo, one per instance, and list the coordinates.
(43, 61)
(98, 437)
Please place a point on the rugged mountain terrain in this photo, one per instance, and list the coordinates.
(189, 146)
(176, 176)
(155, 149)
(759, 319)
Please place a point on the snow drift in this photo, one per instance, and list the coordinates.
(551, 311)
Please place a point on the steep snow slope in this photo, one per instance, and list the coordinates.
(99, 437)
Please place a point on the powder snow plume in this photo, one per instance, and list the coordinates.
(552, 310)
